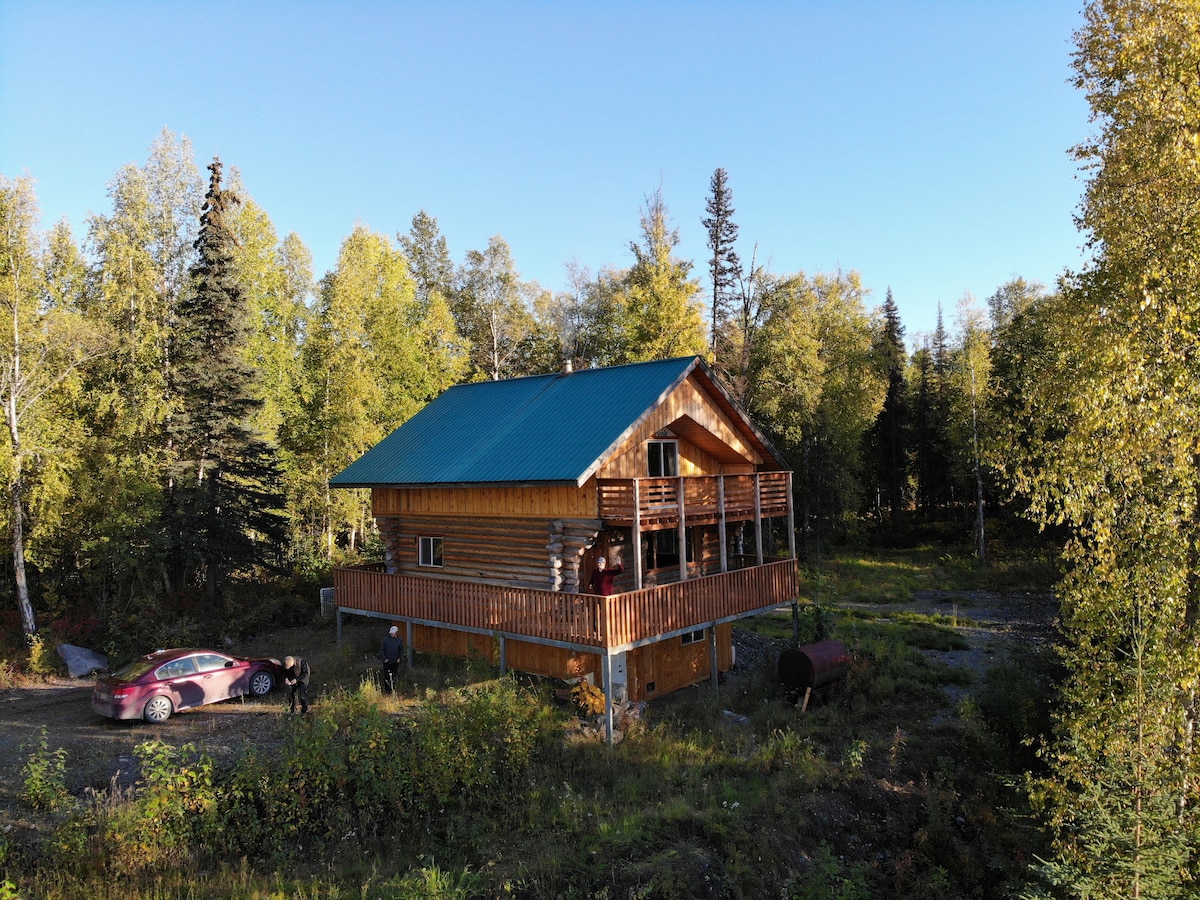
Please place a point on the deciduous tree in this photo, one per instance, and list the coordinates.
(492, 310)
(374, 356)
(1114, 452)
(816, 390)
(42, 346)
(658, 307)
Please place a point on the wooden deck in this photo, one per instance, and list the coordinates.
(703, 498)
(578, 620)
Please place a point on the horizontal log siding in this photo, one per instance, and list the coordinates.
(583, 619)
(512, 550)
(545, 501)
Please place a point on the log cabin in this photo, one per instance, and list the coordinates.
(497, 499)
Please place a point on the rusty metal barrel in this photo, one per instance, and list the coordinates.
(813, 665)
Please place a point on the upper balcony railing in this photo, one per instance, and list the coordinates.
(585, 620)
(657, 500)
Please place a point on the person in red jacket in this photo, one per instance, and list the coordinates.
(604, 575)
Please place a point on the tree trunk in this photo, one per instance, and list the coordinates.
(980, 548)
(16, 510)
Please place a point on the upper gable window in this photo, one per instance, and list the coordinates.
(663, 458)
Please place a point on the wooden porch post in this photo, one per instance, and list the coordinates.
(607, 686)
(758, 517)
(683, 570)
(712, 654)
(791, 519)
(721, 534)
(637, 536)
(339, 623)
(408, 647)
(503, 656)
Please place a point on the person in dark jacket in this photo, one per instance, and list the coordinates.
(389, 655)
(603, 576)
(295, 675)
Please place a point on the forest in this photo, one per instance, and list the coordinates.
(183, 358)
(179, 387)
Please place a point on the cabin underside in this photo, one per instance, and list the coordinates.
(643, 672)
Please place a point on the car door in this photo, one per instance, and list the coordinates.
(180, 680)
(220, 676)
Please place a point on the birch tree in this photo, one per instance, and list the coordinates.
(1112, 449)
(41, 349)
(374, 356)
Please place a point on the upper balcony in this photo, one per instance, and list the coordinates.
(703, 499)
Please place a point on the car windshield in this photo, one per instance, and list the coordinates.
(134, 669)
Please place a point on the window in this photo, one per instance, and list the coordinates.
(210, 662)
(692, 637)
(429, 551)
(177, 668)
(663, 458)
(661, 548)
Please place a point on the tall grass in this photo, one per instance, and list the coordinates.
(493, 791)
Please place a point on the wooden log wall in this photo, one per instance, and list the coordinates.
(569, 543)
(533, 553)
(536, 502)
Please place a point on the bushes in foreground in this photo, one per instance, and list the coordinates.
(349, 771)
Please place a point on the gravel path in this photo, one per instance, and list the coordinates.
(995, 626)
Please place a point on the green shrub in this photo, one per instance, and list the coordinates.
(164, 822)
(482, 738)
(827, 878)
(1015, 704)
(44, 777)
(43, 660)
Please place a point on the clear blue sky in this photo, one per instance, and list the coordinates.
(923, 144)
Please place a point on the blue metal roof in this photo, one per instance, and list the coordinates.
(542, 428)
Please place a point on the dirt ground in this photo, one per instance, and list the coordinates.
(995, 626)
(100, 751)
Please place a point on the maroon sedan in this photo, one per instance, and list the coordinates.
(154, 686)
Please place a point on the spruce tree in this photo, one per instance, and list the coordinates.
(724, 266)
(889, 434)
(222, 507)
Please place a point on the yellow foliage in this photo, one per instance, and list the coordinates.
(589, 697)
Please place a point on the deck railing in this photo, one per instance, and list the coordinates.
(658, 498)
(576, 619)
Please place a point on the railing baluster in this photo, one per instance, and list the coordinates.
(580, 618)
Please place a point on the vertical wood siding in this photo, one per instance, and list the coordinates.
(584, 619)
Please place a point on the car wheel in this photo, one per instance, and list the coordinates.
(261, 683)
(158, 709)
